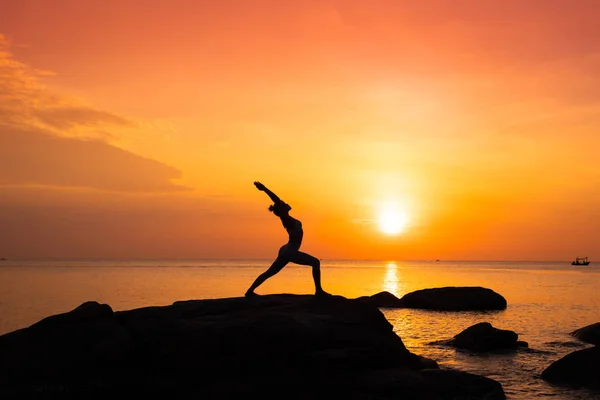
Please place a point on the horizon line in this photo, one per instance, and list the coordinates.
(263, 259)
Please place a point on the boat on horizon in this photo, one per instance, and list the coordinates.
(581, 261)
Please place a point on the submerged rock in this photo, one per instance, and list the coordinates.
(568, 344)
(285, 346)
(580, 368)
(455, 299)
(589, 334)
(483, 337)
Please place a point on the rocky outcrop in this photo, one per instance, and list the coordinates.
(277, 346)
(580, 369)
(441, 299)
(89, 333)
(589, 334)
(382, 300)
(455, 299)
(439, 383)
(452, 384)
(483, 337)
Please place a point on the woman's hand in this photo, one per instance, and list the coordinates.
(271, 195)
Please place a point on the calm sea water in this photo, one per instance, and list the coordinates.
(546, 301)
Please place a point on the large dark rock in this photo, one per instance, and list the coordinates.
(589, 334)
(89, 332)
(455, 299)
(453, 384)
(284, 346)
(484, 337)
(580, 368)
(430, 384)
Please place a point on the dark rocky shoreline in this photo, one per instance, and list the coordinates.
(276, 346)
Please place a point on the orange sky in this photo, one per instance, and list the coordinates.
(136, 128)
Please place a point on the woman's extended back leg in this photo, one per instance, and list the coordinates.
(277, 266)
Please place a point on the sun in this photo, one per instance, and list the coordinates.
(392, 220)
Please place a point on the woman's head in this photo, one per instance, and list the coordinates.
(280, 209)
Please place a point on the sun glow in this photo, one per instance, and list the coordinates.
(392, 220)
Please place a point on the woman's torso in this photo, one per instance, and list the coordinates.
(293, 228)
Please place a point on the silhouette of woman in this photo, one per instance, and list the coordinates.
(288, 252)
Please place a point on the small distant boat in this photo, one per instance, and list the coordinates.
(581, 261)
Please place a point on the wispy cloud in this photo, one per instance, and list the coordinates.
(50, 139)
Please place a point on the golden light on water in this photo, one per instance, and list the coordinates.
(390, 281)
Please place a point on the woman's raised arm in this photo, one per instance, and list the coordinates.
(272, 195)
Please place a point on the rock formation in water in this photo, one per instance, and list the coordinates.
(442, 299)
(276, 346)
(483, 337)
(589, 334)
(580, 368)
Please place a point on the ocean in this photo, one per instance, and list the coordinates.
(546, 301)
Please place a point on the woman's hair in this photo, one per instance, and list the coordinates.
(278, 208)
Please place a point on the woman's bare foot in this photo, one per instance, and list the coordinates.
(322, 293)
(251, 294)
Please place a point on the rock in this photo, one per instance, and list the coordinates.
(484, 337)
(89, 332)
(455, 299)
(384, 383)
(453, 384)
(589, 334)
(431, 384)
(239, 334)
(383, 300)
(284, 346)
(580, 368)
(569, 344)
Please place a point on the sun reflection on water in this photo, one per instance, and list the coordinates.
(390, 281)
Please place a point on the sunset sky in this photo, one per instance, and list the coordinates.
(134, 129)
